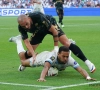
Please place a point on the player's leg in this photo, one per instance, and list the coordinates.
(57, 11)
(20, 49)
(42, 10)
(36, 8)
(25, 57)
(17, 40)
(77, 51)
(61, 14)
(53, 21)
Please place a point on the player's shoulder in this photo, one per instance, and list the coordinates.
(54, 54)
(72, 61)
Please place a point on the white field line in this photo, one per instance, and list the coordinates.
(73, 85)
(68, 25)
(7, 28)
(49, 87)
(17, 84)
(96, 24)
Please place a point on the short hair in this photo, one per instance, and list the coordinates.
(63, 48)
(21, 18)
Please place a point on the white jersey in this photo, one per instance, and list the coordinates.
(38, 7)
(51, 57)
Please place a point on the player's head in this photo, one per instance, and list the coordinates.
(24, 21)
(63, 54)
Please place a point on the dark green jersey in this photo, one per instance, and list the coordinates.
(39, 28)
(40, 24)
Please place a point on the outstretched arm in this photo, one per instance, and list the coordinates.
(84, 73)
(44, 72)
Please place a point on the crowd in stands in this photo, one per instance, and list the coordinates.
(49, 3)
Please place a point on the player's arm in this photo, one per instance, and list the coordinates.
(76, 66)
(55, 36)
(44, 72)
(84, 73)
(26, 41)
(29, 47)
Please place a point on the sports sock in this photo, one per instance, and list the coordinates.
(60, 19)
(87, 62)
(19, 46)
(77, 51)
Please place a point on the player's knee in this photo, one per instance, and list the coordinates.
(65, 42)
(22, 56)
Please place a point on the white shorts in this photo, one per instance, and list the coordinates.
(38, 8)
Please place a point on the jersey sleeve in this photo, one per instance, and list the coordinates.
(72, 62)
(51, 57)
(23, 32)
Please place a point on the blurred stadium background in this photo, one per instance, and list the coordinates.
(48, 3)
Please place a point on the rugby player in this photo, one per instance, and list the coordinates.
(38, 6)
(39, 25)
(59, 59)
(59, 10)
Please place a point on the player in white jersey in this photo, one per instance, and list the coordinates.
(38, 6)
(57, 58)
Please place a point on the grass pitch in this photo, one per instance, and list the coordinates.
(84, 30)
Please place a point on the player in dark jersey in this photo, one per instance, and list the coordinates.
(59, 10)
(40, 25)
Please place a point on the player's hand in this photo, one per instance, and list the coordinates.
(34, 57)
(41, 80)
(90, 79)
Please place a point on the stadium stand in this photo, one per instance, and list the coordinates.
(49, 4)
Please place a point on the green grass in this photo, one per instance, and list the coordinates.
(84, 30)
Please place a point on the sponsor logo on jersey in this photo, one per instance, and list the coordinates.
(75, 63)
(52, 58)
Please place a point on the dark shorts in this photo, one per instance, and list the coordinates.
(60, 11)
(39, 36)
